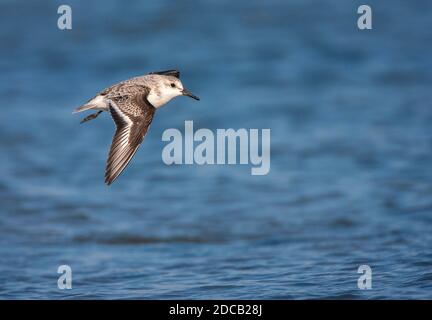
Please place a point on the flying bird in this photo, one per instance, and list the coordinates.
(132, 104)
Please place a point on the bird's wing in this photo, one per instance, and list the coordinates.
(132, 115)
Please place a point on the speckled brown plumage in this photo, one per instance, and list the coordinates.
(132, 114)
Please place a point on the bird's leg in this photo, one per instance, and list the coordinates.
(91, 116)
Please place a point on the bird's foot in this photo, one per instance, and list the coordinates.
(91, 116)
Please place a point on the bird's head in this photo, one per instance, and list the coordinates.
(165, 87)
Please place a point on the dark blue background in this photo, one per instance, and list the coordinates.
(351, 150)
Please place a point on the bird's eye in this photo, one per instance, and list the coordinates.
(172, 85)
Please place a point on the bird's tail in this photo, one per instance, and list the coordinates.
(84, 108)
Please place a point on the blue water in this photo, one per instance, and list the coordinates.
(351, 151)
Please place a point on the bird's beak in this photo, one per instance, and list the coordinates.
(186, 92)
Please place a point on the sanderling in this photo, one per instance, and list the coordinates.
(132, 104)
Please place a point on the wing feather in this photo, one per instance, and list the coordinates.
(132, 117)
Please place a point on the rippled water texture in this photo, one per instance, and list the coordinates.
(351, 151)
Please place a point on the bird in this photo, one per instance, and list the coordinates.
(132, 104)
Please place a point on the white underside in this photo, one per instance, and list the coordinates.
(158, 101)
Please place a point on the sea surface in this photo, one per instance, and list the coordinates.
(350, 113)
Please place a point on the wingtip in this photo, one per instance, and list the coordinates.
(108, 181)
(110, 178)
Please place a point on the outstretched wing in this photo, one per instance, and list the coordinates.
(132, 116)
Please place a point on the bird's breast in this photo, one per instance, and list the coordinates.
(158, 100)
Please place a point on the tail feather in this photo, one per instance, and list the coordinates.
(84, 108)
